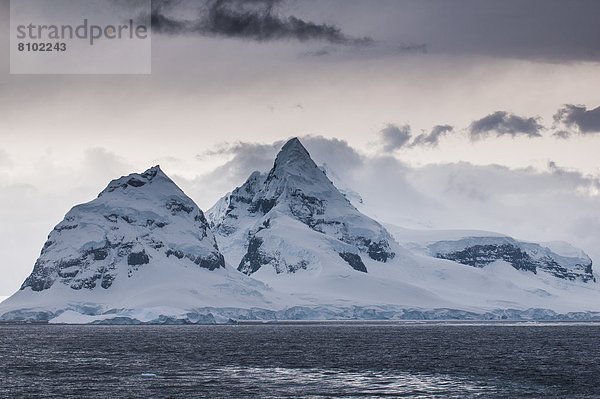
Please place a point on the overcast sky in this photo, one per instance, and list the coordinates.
(466, 114)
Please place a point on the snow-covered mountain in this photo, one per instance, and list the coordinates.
(287, 244)
(480, 249)
(136, 219)
(142, 243)
(294, 219)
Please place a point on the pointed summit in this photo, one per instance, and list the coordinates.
(293, 145)
(295, 174)
(295, 166)
(140, 220)
(266, 217)
(293, 153)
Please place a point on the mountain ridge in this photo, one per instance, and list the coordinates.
(286, 244)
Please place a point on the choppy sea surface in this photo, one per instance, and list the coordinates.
(301, 361)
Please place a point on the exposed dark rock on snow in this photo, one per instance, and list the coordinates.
(142, 252)
(354, 260)
(295, 190)
(138, 220)
(481, 251)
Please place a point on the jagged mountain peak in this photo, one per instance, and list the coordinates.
(265, 218)
(295, 166)
(293, 153)
(295, 174)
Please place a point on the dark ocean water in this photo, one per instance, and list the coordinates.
(309, 361)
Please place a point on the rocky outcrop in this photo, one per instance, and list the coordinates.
(531, 257)
(354, 260)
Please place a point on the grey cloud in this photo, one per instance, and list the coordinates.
(432, 138)
(246, 157)
(562, 134)
(336, 153)
(585, 184)
(546, 30)
(556, 169)
(577, 118)
(395, 137)
(322, 52)
(467, 188)
(257, 20)
(412, 48)
(588, 185)
(318, 53)
(539, 30)
(502, 123)
(526, 203)
(553, 166)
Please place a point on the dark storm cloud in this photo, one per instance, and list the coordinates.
(502, 123)
(546, 30)
(394, 137)
(577, 118)
(244, 19)
(432, 138)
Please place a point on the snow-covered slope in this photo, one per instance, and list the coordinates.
(142, 243)
(294, 219)
(287, 244)
(137, 219)
(276, 227)
(354, 197)
(480, 249)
